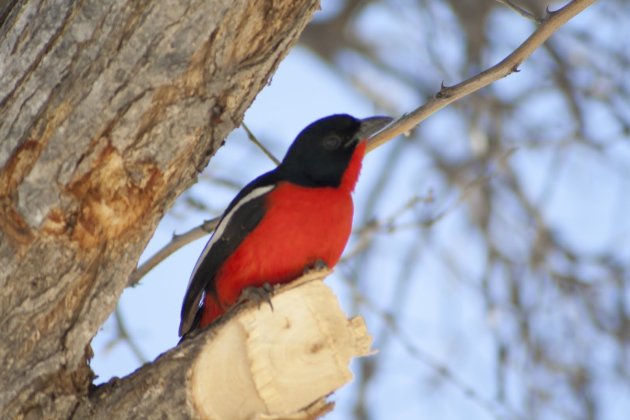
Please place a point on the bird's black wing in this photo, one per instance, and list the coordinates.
(241, 217)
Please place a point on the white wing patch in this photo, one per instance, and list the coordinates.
(225, 221)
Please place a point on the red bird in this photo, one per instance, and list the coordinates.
(284, 221)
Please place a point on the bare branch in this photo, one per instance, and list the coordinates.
(254, 140)
(508, 65)
(440, 368)
(123, 335)
(176, 243)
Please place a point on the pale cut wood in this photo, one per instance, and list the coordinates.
(256, 364)
(276, 363)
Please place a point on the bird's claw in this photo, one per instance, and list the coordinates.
(258, 295)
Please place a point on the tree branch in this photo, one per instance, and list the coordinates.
(450, 94)
(261, 146)
(177, 242)
(256, 363)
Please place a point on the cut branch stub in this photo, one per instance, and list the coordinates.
(278, 363)
(256, 364)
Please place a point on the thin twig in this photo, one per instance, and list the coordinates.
(450, 94)
(123, 335)
(440, 368)
(177, 242)
(254, 140)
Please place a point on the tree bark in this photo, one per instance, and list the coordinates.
(108, 111)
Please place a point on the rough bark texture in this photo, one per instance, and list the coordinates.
(261, 363)
(108, 111)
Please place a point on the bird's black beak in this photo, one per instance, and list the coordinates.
(371, 126)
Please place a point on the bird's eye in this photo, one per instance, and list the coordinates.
(332, 142)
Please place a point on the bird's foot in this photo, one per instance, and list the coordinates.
(258, 295)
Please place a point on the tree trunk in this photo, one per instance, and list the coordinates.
(108, 111)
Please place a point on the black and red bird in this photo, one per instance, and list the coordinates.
(284, 221)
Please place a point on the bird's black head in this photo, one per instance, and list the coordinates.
(321, 153)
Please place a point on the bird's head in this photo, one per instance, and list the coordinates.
(324, 151)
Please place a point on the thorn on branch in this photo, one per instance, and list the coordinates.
(548, 14)
(444, 91)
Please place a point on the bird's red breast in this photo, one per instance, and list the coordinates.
(301, 225)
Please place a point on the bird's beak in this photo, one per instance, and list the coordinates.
(371, 126)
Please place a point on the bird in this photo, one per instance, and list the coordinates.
(286, 221)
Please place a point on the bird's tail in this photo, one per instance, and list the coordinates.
(207, 313)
